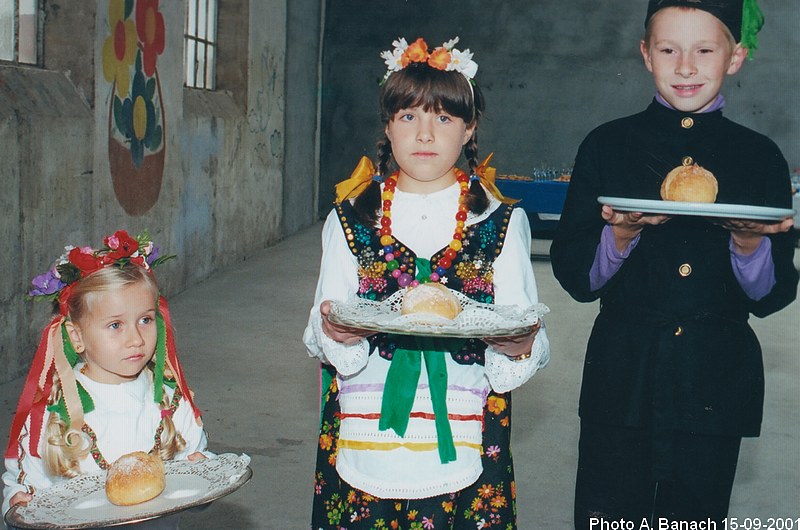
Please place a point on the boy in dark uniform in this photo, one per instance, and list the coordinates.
(673, 375)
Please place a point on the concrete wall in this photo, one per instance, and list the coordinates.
(551, 70)
(302, 113)
(222, 192)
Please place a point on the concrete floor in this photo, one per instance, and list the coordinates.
(239, 334)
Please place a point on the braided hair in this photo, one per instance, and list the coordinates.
(419, 85)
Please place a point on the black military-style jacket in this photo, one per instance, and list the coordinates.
(671, 347)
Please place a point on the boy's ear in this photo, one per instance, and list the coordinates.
(74, 334)
(645, 55)
(737, 58)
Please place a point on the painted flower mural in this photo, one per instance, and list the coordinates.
(135, 116)
(137, 37)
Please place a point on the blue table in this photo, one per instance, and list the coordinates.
(542, 200)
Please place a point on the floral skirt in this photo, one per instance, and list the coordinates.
(489, 503)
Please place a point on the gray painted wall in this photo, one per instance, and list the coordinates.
(551, 70)
(302, 105)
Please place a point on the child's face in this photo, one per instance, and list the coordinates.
(689, 54)
(117, 335)
(426, 146)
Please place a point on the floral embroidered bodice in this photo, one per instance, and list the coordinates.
(471, 272)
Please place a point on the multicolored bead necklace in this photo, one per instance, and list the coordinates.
(388, 241)
(98, 457)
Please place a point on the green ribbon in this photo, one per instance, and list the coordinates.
(72, 357)
(69, 351)
(161, 358)
(423, 270)
(61, 407)
(752, 22)
(401, 387)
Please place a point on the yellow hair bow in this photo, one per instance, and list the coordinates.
(358, 181)
(364, 172)
(488, 175)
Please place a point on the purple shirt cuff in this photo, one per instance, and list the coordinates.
(755, 272)
(607, 259)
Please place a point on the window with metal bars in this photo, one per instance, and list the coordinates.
(20, 30)
(200, 40)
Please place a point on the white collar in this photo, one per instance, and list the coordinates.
(136, 389)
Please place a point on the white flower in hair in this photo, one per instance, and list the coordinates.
(400, 44)
(393, 57)
(462, 62)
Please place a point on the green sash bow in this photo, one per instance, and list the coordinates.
(401, 387)
(403, 377)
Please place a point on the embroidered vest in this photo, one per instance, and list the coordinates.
(471, 272)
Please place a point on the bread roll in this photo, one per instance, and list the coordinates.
(431, 298)
(689, 183)
(135, 478)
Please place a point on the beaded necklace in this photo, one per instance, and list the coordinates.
(98, 457)
(388, 241)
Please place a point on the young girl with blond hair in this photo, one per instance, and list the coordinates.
(406, 443)
(105, 380)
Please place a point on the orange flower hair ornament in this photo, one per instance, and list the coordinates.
(56, 355)
(445, 57)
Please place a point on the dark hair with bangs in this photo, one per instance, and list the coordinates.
(419, 85)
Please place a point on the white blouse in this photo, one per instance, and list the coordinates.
(125, 419)
(380, 462)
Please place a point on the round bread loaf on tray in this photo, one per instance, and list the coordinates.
(135, 478)
(690, 183)
(430, 298)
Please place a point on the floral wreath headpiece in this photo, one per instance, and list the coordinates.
(445, 57)
(56, 354)
(77, 263)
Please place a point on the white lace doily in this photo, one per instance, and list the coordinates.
(82, 503)
(475, 320)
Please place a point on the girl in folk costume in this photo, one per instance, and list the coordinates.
(402, 446)
(105, 380)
